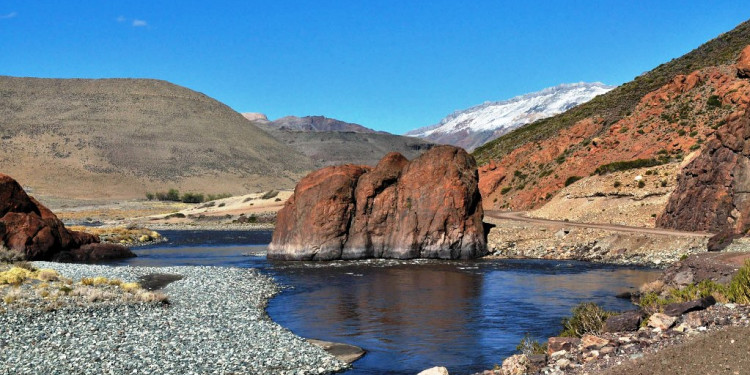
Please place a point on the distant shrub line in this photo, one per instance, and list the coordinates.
(173, 195)
(629, 164)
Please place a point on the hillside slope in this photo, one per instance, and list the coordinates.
(618, 103)
(117, 138)
(665, 126)
(475, 126)
(328, 141)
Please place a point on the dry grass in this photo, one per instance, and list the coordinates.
(46, 289)
(120, 235)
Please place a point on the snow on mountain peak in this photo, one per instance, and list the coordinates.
(477, 125)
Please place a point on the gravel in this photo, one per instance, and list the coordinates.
(216, 324)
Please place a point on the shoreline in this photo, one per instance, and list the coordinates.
(216, 321)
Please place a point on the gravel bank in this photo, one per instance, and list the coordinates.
(216, 324)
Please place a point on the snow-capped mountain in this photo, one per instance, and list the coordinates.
(477, 125)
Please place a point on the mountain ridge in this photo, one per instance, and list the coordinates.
(476, 125)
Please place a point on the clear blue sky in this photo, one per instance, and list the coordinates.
(389, 65)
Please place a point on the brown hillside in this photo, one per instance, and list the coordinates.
(665, 125)
(117, 138)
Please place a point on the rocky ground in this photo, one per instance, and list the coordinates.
(517, 239)
(215, 322)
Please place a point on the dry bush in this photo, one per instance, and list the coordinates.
(655, 286)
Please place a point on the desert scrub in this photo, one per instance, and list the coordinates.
(529, 346)
(588, 317)
(738, 290)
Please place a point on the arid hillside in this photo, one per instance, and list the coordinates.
(118, 138)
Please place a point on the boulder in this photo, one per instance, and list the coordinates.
(31, 230)
(661, 321)
(743, 63)
(677, 309)
(429, 207)
(438, 370)
(515, 365)
(713, 190)
(625, 322)
(556, 344)
(589, 341)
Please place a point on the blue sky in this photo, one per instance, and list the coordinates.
(389, 65)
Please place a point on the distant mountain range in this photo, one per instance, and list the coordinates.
(477, 125)
(329, 141)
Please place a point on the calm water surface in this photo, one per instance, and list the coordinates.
(411, 315)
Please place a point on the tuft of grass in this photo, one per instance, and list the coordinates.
(571, 180)
(629, 164)
(130, 287)
(738, 290)
(588, 317)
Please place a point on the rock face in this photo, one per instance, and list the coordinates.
(35, 233)
(743, 63)
(427, 208)
(713, 191)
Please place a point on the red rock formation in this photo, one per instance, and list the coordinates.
(33, 231)
(713, 191)
(743, 63)
(427, 208)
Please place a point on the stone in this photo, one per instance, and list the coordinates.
(693, 319)
(429, 207)
(661, 321)
(30, 229)
(438, 370)
(625, 322)
(590, 356)
(343, 352)
(94, 252)
(515, 365)
(683, 278)
(562, 363)
(743, 63)
(607, 350)
(711, 190)
(677, 309)
(536, 362)
(556, 344)
(589, 341)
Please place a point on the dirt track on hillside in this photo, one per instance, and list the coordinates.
(519, 216)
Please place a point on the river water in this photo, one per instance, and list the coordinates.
(411, 315)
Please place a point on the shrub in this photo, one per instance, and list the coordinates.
(663, 183)
(739, 288)
(529, 346)
(617, 184)
(572, 179)
(270, 194)
(641, 184)
(714, 101)
(212, 197)
(629, 164)
(588, 317)
(681, 132)
(150, 196)
(505, 190)
(192, 198)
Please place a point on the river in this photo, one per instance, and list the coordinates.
(411, 315)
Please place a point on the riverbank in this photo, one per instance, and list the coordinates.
(215, 323)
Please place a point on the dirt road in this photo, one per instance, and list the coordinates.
(519, 216)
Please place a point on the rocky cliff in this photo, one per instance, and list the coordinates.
(427, 208)
(30, 231)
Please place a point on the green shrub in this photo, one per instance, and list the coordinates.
(150, 196)
(588, 317)
(192, 198)
(212, 197)
(641, 184)
(739, 288)
(617, 184)
(505, 190)
(681, 132)
(270, 194)
(171, 195)
(714, 101)
(628, 164)
(572, 179)
(529, 346)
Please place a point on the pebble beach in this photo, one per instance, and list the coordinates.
(214, 323)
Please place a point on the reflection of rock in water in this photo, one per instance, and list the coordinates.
(414, 309)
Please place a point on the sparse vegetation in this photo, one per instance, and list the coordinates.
(617, 184)
(714, 101)
(588, 317)
(529, 346)
(572, 179)
(629, 164)
(641, 184)
(505, 190)
(270, 194)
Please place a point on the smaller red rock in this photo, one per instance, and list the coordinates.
(743, 63)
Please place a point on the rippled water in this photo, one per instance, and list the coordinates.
(411, 315)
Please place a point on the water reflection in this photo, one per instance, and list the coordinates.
(411, 315)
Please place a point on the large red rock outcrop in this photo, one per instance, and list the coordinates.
(743, 63)
(35, 233)
(427, 208)
(713, 191)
